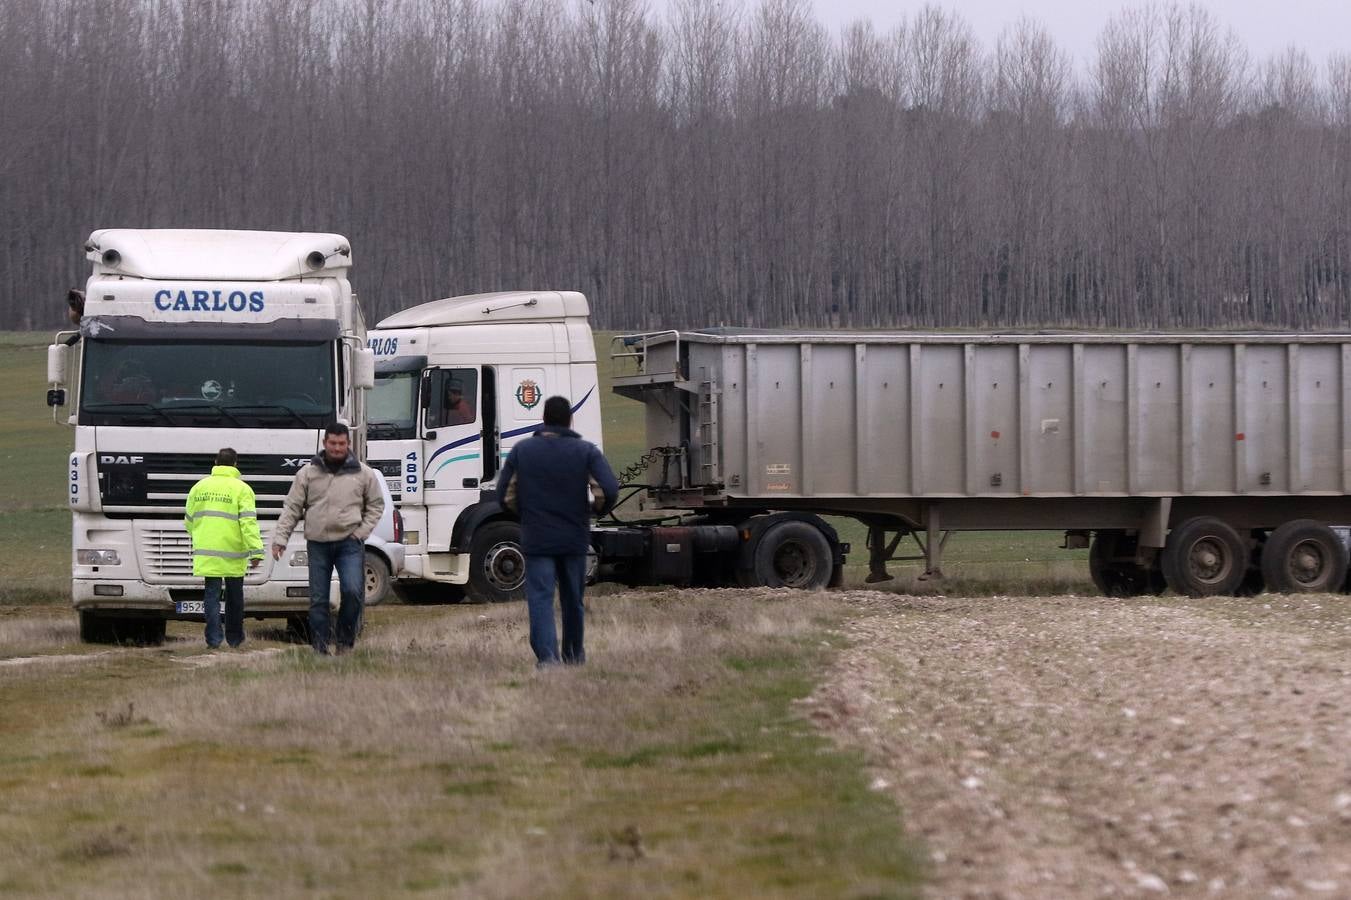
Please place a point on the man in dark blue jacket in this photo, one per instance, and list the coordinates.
(546, 480)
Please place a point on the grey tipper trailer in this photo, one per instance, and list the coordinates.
(1208, 463)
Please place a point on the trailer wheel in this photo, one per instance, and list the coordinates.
(1111, 563)
(496, 564)
(376, 578)
(792, 554)
(1304, 556)
(1204, 557)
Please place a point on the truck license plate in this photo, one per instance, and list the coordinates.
(191, 606)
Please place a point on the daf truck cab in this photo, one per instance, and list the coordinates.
(458, 382)
(189, 341)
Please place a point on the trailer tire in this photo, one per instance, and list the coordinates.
(1204, 557)
(1304, 556)
(376, 577)
(1118, 577)
(496, 564)
(791, 554)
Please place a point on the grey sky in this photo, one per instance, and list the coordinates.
(1320, 27)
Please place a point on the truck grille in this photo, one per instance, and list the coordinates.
(166, 554)
(156, 485)
(392, 471)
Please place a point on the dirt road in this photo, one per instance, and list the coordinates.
(1080, 747)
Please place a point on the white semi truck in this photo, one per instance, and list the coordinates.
(1213, 463)
(187, 341)
(458, 382)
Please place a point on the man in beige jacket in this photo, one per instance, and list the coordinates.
(340, 500)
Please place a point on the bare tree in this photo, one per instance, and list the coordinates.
(730, 162)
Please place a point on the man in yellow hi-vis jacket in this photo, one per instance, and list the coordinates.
(223, 523)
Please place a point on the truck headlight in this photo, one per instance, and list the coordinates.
(97, 558)
(300, 558)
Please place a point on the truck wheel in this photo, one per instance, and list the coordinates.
(1111, 563)
(377, 579)
(152, 632)
(101, 628)
(496, 564)
(792, 554)
(1304, 556)
(298, 628)
(95, 628)
(1204, 557)
(423, 592)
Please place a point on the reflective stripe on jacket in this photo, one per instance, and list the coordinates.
(223, 523)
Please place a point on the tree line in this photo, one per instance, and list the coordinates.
(704, 163)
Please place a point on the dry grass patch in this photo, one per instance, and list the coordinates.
(26, 635)
(436, 759)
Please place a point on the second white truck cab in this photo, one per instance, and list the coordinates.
(458, 382)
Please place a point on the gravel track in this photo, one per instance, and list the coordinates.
(1081, 747)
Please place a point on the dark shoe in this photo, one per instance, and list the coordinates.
(321, 651)
(213, 646)
(343, 649)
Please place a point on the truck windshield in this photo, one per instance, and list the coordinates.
(391, 412)
(207, 384)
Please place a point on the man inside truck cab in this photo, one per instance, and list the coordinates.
(458, 409)
(131, 384)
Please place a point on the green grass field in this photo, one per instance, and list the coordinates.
(35, 525)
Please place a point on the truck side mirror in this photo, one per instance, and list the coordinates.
(363, 368)
(56, 364)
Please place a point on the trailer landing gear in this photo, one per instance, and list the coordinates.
(883, 541)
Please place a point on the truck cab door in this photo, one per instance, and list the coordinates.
(454, 446)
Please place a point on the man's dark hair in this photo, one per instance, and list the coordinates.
(337, 429)
(226, 456)
(557, 412)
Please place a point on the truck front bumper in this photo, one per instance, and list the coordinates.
(266, 600)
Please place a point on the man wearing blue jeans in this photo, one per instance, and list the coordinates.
(222, 522)
(340, 500)
(546, 480)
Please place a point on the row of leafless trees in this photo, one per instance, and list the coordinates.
(714, 163)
